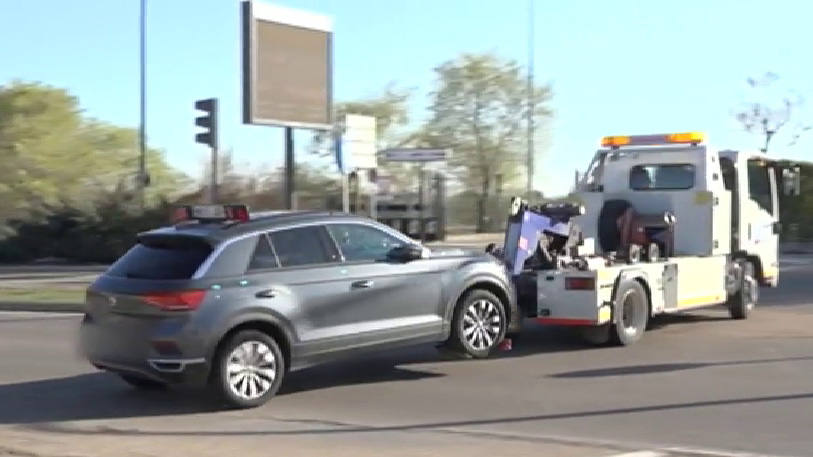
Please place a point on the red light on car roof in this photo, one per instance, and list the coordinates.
(181, 214)
(212, 213)
(237, 213)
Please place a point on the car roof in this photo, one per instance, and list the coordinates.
(259, 221)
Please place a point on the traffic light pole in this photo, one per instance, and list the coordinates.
(289, 168)
(209, 137)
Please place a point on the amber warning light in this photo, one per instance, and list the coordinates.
(650, 140)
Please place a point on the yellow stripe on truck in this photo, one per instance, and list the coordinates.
(699, 301)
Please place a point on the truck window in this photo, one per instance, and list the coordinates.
(759, 185)
(662, 177)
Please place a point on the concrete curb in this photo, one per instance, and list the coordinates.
(43, 307)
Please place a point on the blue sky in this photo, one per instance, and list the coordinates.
(615, 67)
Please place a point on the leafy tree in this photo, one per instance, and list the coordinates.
(54, 157)
(479, 109)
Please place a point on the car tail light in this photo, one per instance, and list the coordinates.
(184, 300)
(580, 283)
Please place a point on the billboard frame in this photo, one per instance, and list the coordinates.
(250, 13)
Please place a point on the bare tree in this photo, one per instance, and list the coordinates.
(766, 120)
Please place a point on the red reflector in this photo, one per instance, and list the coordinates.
(185, 300)
(580, 283)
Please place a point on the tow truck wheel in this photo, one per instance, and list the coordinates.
(743, 301)
(478, 325)
(631, 312)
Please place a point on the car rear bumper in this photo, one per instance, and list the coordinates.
(154, 349)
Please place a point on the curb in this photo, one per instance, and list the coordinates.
(43, 307)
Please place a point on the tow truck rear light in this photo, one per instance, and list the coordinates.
(237, 213)
(650, 140)
(580, 283)
(184, 300)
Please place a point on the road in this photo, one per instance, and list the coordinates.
(698, 384)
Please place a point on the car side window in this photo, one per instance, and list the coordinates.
(361, 242)
(303, 246)
(264, 256)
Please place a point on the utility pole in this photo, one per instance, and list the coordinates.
(530, 93)
(142, 143)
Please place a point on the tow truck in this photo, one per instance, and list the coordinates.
(657, 224)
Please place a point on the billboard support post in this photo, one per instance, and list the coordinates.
(289, 168)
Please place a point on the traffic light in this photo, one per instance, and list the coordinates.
(207, 121)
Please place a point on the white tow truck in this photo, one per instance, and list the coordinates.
(662, 224)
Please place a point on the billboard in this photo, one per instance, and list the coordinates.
(287, 66)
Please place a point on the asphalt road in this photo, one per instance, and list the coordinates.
(699, 383)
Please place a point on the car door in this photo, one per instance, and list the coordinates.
(297, 274)
(762, 209)
(388, 300)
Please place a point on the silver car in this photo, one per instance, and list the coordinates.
(235, 303)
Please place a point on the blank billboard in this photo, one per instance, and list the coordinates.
(287, 66)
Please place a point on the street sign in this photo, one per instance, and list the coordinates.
(359, 142)
(416, 154)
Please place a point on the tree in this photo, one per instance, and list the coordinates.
(390, 111)
(479, 109)
(54, 157)
(765, 117)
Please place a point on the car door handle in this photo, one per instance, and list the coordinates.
(270, 293)
(366, 284)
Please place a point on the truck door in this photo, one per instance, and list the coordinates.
(761, 221)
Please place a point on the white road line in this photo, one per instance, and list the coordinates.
(641, 454)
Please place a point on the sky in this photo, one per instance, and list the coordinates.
(620, 67)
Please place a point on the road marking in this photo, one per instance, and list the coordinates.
(640, 454)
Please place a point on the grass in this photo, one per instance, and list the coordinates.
(45, 299)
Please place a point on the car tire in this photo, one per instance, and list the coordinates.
(142, 383)
(248, 369)
(745, 299)
(630, 312)
(478, 324)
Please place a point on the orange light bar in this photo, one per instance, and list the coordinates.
(615, 140)
(648, 140)
(688, 137)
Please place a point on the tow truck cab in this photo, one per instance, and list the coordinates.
(690, 224)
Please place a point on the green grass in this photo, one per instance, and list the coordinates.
(43, 295)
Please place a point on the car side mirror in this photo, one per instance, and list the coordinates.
(405, 253)
(791, 181)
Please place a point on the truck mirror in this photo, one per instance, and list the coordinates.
(791, 181)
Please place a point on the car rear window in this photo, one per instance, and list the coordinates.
(174, 257)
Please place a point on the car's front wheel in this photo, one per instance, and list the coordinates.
(478, 324)
(248, 369)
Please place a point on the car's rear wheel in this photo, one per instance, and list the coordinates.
(478, 325)
(248, 369)
(142, 383)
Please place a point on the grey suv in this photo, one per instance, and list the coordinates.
(236, 304)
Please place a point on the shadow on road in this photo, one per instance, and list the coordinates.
(666, 367)
(102, 395)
